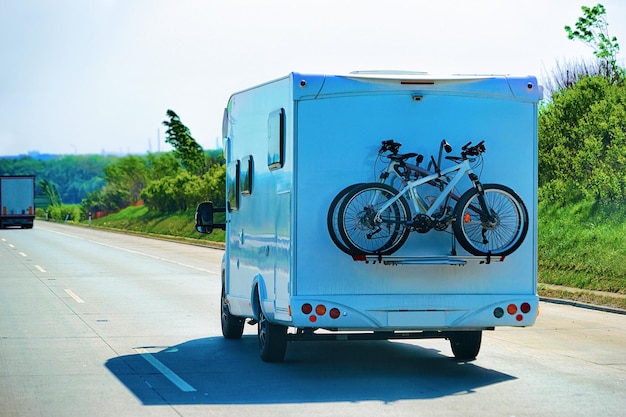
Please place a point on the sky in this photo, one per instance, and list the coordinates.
(98, 76)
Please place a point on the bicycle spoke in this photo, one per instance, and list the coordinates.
(500, 232)
(362, 230)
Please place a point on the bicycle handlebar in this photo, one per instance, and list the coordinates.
(475, 150)
(467, 150)
(390, 146)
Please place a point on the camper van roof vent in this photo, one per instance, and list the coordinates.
(417, 82)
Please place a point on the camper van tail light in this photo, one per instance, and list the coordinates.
(514, 310)
(511, 309)
(320, 309)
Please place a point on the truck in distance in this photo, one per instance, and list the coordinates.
(17, 201)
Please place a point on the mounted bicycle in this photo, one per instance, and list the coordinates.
(487, 220)
(397, 173)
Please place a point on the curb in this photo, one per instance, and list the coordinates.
(583, 305)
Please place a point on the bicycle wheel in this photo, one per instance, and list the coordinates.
(332, 220)
(501, 235)
(357, 227)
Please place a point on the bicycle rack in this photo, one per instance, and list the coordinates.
(427, 260)
(452, 259)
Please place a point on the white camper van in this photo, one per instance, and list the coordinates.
(308, 254)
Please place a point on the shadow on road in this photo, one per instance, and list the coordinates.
(218, 371)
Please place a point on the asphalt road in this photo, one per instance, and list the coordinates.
(94, 323)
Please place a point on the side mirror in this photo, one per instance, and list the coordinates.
(205, 218)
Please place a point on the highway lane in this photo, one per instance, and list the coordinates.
(106, 324)
(74, 298)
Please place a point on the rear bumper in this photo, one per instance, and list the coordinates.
(22, 221)
(415, 313)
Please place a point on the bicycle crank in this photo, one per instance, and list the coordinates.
(422, 223)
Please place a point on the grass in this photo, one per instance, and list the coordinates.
(583, 246)
(179, 225)
(581, 296)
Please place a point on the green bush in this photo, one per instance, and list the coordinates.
(65, 212)
(184, 190)
(582, 143)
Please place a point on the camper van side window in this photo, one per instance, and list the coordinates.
(276, 139)
(232, 188)
(247, 169)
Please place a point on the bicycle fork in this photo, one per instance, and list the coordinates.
(487, 219)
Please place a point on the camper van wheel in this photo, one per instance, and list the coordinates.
(232, 326)
(466, 344)
(272, 339)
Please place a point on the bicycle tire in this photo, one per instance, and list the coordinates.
(332, 221)
(356, 220)
(501, 238)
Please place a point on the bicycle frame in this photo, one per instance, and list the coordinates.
(393, 170)
(417, 202)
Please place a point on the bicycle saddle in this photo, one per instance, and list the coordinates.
(402, 157)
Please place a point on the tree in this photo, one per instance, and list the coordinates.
(186, 149)
(582, 131)
(184, 191)
(50, 189)
(75, 176)
(162, 165)
(108, 198)
(592, 29)
(582, 143)
(128, 174)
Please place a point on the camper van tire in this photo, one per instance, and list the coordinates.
(504, 235)
(232, 326)
(466, 344)
(272, 338)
